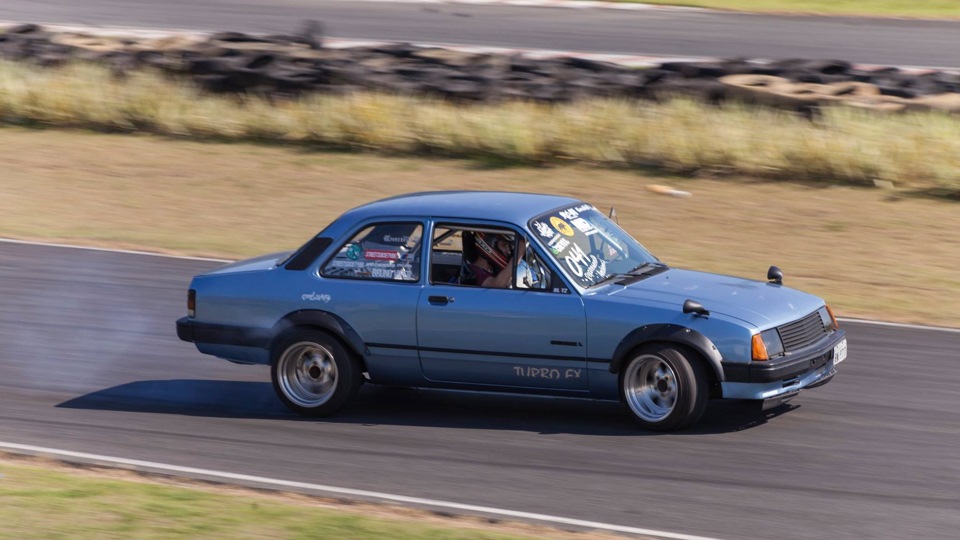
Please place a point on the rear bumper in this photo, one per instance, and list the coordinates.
(777, 381)
(219, 334)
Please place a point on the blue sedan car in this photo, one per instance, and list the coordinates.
(508, 292)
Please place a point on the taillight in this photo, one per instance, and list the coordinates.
(192, 303)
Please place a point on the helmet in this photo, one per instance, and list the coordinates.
(488, 246)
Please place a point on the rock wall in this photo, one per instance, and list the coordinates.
(289, 65)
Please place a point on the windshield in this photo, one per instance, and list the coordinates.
(588, 245)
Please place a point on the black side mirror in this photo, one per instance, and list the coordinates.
(692, 306)
(775, 275)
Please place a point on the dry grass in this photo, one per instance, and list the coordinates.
(80, 502)
(922, 150)
(870, 252)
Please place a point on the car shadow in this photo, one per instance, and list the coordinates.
(376, 405)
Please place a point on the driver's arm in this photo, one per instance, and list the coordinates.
(502, 279)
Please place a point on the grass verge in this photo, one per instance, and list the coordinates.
(71, 502)
(884, 8)
(921, 150)
(874, 253)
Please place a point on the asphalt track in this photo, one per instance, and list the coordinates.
(676, 33)
(90, 362)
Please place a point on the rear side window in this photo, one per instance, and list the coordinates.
(386, 251)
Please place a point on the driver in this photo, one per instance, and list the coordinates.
(494, 263)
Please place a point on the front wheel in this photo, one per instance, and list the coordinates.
(313, 373)
(664, 388)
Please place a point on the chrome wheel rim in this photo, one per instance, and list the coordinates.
(650, 388)
(307, 374)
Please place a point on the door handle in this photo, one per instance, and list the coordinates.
(440, 300)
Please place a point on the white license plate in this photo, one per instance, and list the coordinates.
(840, 352)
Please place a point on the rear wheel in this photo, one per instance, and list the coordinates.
(313, 373)
(664, 388)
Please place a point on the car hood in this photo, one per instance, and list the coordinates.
(263, 262)
(756, 302)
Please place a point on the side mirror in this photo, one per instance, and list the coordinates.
(692, 306)
(537, 272)
(775, 275)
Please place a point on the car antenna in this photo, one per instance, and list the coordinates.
(613, 215)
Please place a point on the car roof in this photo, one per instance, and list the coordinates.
(504, 206)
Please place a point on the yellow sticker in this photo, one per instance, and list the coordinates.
(562, 226)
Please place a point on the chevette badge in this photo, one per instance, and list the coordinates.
(314, 297)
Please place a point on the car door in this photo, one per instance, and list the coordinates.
(507, 337)
(372, 282)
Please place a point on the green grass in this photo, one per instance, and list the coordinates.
(886, 8)
(851, 146)
(53, 504)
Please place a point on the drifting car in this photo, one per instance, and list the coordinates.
(508, 292)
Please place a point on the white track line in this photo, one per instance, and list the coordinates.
(565, 4)
(131, 252)
(320, 488)
(899, 325)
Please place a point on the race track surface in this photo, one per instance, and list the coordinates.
(90, 362)
(677, 33)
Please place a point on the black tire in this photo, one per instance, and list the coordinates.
(313, 373)
(664, 387)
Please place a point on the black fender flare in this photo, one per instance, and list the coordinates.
(325, 320)
(669, 333)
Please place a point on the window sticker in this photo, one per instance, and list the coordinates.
(576, 259)
(374, 253)
(543, 229)
(385, 273)
(584, 266)
(569, 213)
(381, 255)
(561, 226)
(354, 251)
(558, 244)
(584, 226)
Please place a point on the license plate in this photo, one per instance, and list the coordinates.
(840, 352)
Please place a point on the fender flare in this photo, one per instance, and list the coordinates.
(670, 333)
(325, 320)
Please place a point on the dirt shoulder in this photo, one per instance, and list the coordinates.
(870, 252)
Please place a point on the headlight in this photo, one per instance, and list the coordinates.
(192, 303)
(766, 345)
(829, 321)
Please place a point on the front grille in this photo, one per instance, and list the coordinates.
(802, 332)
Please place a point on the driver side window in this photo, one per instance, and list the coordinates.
(486, 257)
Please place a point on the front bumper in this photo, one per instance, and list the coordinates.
(185, 329)
(777, 380)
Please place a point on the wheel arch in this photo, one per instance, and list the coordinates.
(670, 334)
(326, 321)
